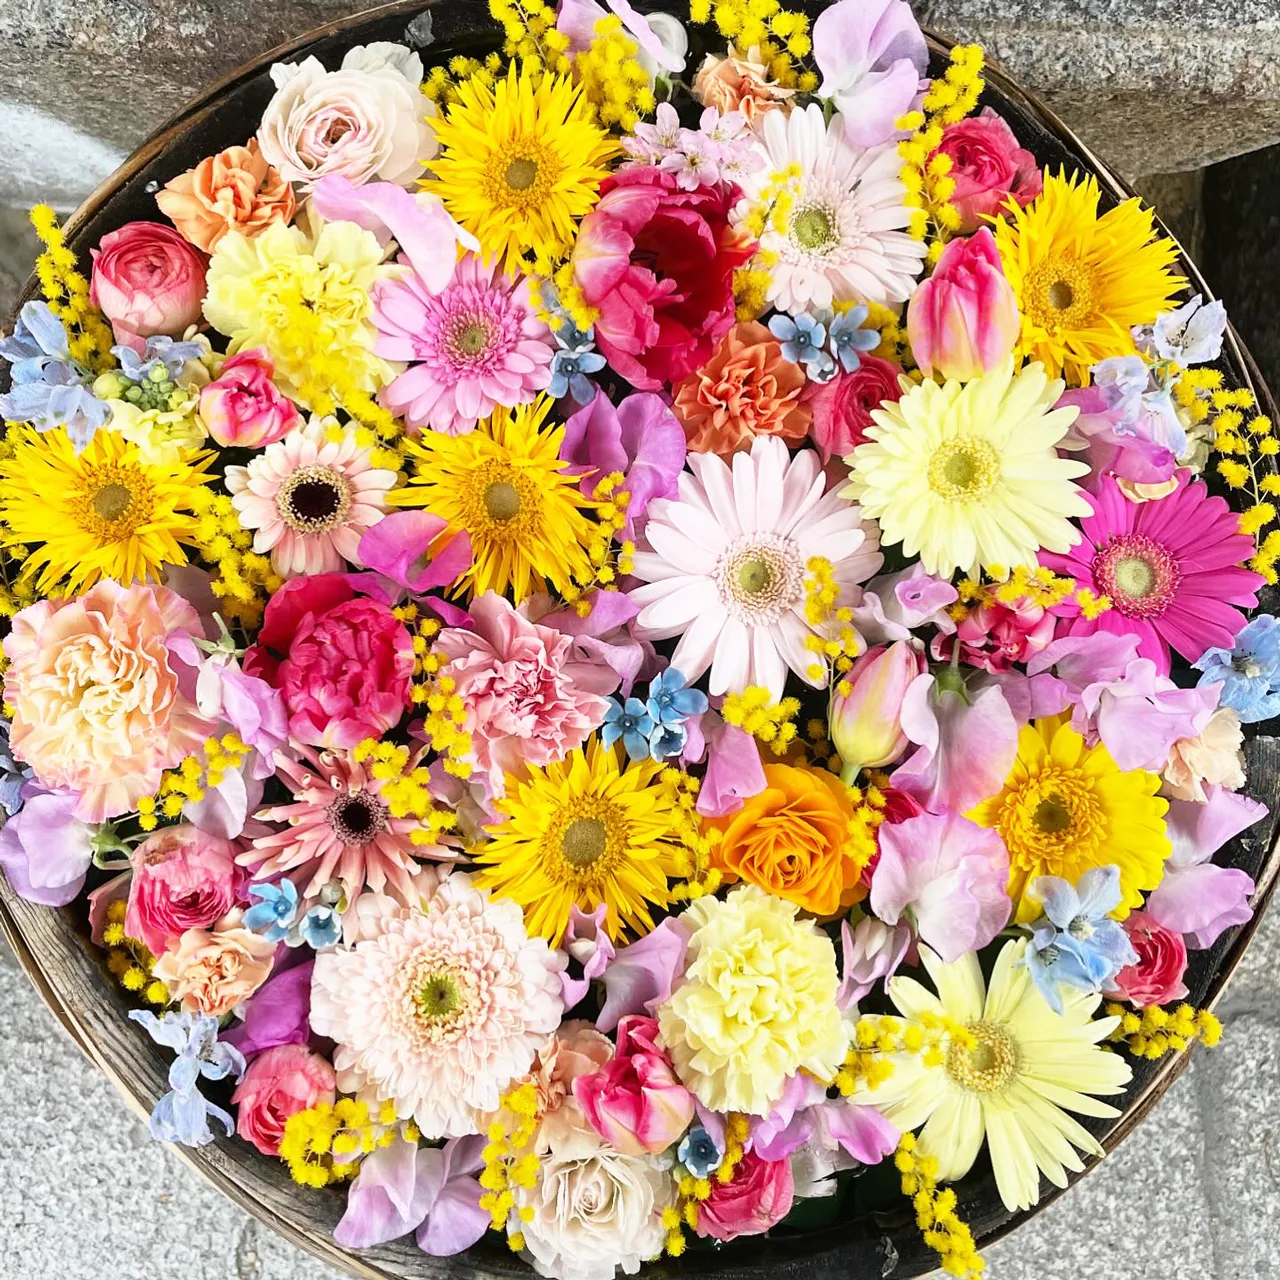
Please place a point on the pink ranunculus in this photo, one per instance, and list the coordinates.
(758, 1197)
(242, 408)
(635, 1102)
(182, 879)
(1162, 960)
(964, 320)
(866, 728)
(146, 280)
(657, 263)
(998, 634)
(988, 167)
(528, 700)
(342, 661)
(278, 1084)
(951, 874)
(842, 407)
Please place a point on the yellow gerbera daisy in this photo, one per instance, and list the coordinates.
(1027, 1067)
(505, 484)
(966, 475)
(1066, 807)
(1082, 280)
(583, 830)
(520, 164)
(104, 513)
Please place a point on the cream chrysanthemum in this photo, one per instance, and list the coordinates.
(757, 1002)
(966, 476)
(440, 1009)
(1010, 1088)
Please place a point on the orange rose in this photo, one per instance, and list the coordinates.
(740, 84)
(792, 840)
(745, 390)
(236, 190)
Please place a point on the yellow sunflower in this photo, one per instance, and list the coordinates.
(1082, 280)
(506, 485)
(584, 830)
(104, 513)
(520, 164)
(1066, 807)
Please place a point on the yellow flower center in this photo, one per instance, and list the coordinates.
(964, 469)
(585, 841)
(502, 501)
(314, 499)
(990, 1064)
(501, 504)
(1051, 818)
(1058, 293)
(813, 228)
(112, 501)
(754, 576)
(1135, 577)
(521, 174)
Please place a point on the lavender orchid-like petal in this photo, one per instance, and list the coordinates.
(400, 547)
(734, 771)
(640, 976)
(388, 1199)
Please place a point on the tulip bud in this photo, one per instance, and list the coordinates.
(867, 704)
(963, 320)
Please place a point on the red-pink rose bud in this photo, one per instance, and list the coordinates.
(1162, 960)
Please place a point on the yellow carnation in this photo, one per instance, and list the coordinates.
(757, 1002)
(163, 436)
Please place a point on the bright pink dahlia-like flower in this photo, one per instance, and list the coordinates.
(1172, 570)
(473, 346)
(758, 1197)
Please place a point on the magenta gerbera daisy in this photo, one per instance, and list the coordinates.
(1171, 569)
(476, 345)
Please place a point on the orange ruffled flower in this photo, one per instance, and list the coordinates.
(740, 84)
(745, 390)
(236, 190)
(792, 840)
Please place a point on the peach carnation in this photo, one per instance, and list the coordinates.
(97, 707)
(212, 971)
(236, 190)
(740, 84)
(576, 1049)
(747, 389)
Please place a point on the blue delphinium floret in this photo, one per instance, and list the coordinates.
(849, 340)
(1249, 673)
(630, 722)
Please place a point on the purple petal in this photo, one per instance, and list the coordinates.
(400, 547)
(734, 771)
(456, 1220)
(641, 975)
(385, 1201)
(862, 1131)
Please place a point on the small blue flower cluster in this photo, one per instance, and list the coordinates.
(654, 729)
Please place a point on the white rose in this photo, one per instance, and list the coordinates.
(365, 122)
(594, 1212)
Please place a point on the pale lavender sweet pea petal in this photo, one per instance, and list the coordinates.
(388, 1198)
(861, 1131)
(225, 808)
(870, 953)
(577, 20)
(455, 1220)
(1086, 660)
(45, 850)
(734, 771)
(1029, 697)
(586, 942)
(400, 547)
(893, 605)
(640, 976)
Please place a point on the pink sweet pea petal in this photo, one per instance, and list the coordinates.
(734, 771)
(388, 1199)
(862, 1131)
(408, 548)
(640, 976)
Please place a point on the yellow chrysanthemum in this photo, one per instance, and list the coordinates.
(966, 475)
(306, 300)
(105, 513)
(504, 483)
(1082, 280)
(1066, 807)
(582, 831)
(520, 164)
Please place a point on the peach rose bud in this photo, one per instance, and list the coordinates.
(963, 320)
(866, 707)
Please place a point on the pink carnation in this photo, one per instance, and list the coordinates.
(528, 698)
(278, 1084)
(758, 1197)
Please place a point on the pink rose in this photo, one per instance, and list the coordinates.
(342, 661)
(1162, 960)
(182, 879)
(529, 697)
(995, 635)
(278, 1084)
(842, 407)
(242, 407)
(758, 1197)
(963, 320)
(147, 279)
(636, 1103)
(988, 167)
(657, 263)
(213, 970)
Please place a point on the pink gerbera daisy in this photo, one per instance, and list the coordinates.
(725, 563)
(310, 499)
(1171, 569)
(474, 346)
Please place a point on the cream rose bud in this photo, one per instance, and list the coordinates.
(366, 121)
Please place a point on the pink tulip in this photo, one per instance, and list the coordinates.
(865, 723)
(963, 320)
(635, 1101)
(242, 407)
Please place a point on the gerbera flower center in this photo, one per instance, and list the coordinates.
(1058, 293)
(1052, 817)
(470, 339)
(314, 499)
(358, 819)
(113, 501)
(814, 227)
(1139, 575)
(437, 997)
(521, 174)
(760, 577)
(502, 501)
(964, 469)
(584, 842)
(990, 1064)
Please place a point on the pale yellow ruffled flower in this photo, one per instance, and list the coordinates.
(163, 436)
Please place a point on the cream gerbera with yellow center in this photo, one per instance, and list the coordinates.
(1013, 1086)
(966, 475)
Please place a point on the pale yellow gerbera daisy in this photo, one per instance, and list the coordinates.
(965, 476)
(1027, 1068)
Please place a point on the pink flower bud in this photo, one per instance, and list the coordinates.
(963, 320)
(242, 407)
(865, 724)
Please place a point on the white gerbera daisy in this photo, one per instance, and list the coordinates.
(1014, 1087)
(966, 476)
(725, 564)
(844, 236)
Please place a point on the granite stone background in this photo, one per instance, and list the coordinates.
(1162, 88)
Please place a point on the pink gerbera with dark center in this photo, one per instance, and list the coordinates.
(476, 345)
(1171, 569)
